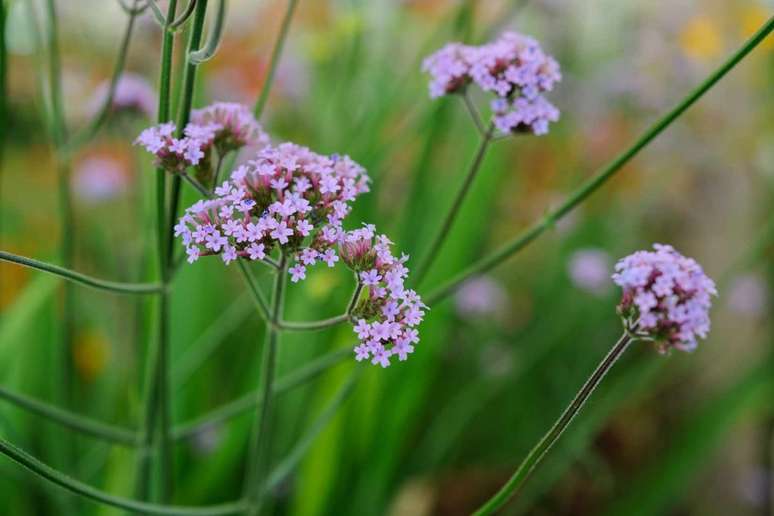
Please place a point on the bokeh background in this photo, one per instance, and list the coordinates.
(685, 434)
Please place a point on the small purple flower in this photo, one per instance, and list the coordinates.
(330, 257)
(297, 273)
(370, 278)
(256, 251)
(281, 232)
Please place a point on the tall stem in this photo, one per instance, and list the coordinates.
(157, 359)
(259, 441)
(451, 215)
(274, 60)
(539, 451)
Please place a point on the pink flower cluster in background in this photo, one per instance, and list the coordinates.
(513, 67)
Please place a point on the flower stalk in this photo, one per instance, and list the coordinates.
(536, 455)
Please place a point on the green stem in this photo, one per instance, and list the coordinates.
(251, 400)
(255, 291)
(276, 52)
(607, 172)
(213, 40)
(156, 356)
(77, 422)
(189, 8)
(105, 110)
(312, 325)
(539, 451)
(261, 434)
(74, 486)
(82, 279)
(451, 215)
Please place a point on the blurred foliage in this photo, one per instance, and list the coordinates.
(440, 432)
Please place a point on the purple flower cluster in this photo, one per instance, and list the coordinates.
(222, 126)
(513, 67)
(286, 196)
(667, 294)
(234, 124)
(387, 317)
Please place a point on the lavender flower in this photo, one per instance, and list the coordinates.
(222, 127)
(387, 317)
(276, 201)
(132, 94)
(589, 270)
(666, 297)
(513, 67)
(234, 126)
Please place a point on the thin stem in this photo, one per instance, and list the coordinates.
(213, 40)
(473, 114)
(70, 484)
(196, 184)
(82, 279)
(607, 172)
(106, 432)
(312, 325)
(156, 356)
(157, 14)
(255, 291)
(102, 115)
(539, 451)
(355, 296)
(261, 436)
(276, 52)
(324, 323)
(454, 210)
(183, 16)
(251, 400)
(216, 175)
(184, 113)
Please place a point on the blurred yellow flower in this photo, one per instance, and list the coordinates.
(701, 38)
(90, 354)
(752, 18)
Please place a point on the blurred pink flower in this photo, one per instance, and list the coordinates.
(133, 93)
(589, 269)
(748, 295)
(480, 296)
(99, 178)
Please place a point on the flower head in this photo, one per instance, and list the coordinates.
(387, 316)
(513, 68)
(260, 208)
(220, 127)
(666, 297)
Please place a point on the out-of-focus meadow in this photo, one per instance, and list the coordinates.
(684, 434)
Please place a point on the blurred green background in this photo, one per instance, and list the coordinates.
(687, 434)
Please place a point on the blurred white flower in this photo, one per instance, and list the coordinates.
(589, 269)
(748, 295)
(479, 296)
(99, 178)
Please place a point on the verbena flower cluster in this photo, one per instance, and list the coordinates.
(513, 67)
(667, 294)
(287, 196)
(387, 317)
(221, 127)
